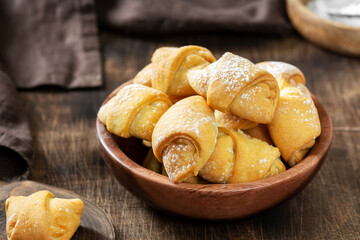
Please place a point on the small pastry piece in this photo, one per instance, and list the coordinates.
(239, 158)
(134, 111)
(169, 68)
(146, 143)
(260, 132)
(195, 180)
(152, 163)
(192, 179)
(234, 85)
(221, 162)
(175, 99)
(184, 138)
(41, 216)
(228, 120)
(145, 76)
(253, 129)
(283, 72)
(295, 125)
(276, 168)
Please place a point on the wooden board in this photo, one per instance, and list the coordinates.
(67, 155)
(94, 222)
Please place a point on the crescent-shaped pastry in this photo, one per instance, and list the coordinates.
(295, 125)
(134, 111)
(239, 158)
(184, 138)
(283, 72)
(41, 216)
(169, 68)
(234, 85)
(296, 122)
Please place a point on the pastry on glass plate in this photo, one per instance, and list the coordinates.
(42, 216)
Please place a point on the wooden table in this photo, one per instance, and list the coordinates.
(67, 156)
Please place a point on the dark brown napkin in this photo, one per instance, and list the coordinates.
(15, 137)
(50, 42)
(42, 42)
(173, 16)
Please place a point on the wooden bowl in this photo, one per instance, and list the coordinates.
(124, 158)
(326, 33)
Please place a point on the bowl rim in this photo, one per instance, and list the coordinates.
(312, 162)
(301, 6)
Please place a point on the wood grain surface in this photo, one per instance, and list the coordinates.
(66, 153)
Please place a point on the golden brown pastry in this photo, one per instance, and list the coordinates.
(192, 179)
(234, 85)
(253, 129)
(184, 138)
(295, 125)
(152, 163)
(146, 143)
(283, 72)
(239, 158)
(41, 216)
(134, 111)
(169, 68)
(145, 76)
(296, 122)
(260, 132)
(195, 180)
(228, 120)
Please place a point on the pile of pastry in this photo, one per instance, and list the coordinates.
(218, 121)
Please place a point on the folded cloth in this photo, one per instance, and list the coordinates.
(50, 42)
(15, 137)
(43, 42)
(172, 16)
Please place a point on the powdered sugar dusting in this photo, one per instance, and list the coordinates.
(176, 160)
(280, 69)
(131, 92)
(190, 118)
(232, 70)
(299, 102)
(180, 130)
(262, 161)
